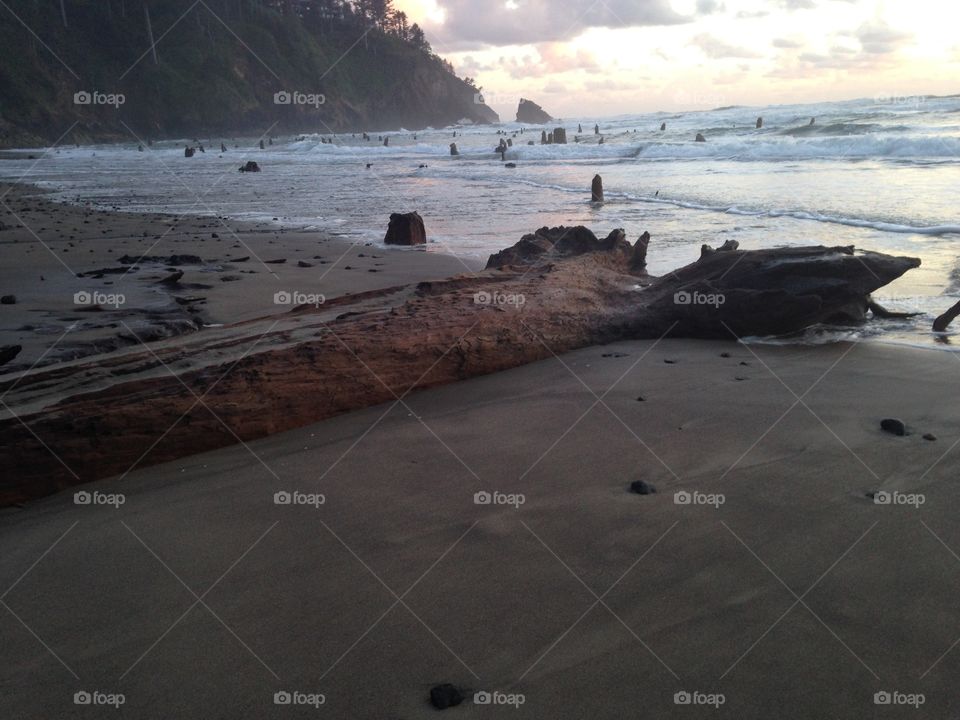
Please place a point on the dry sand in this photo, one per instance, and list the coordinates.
(798, 597)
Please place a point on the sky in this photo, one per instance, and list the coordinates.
(611, 57)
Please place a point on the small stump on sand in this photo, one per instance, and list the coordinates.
(596, 189)
(406, 229)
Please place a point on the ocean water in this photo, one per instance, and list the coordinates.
(882, 174)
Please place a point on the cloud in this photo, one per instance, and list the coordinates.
(470, 25)
(797, 4)
(709, 7)
(878, 38)
(717, 49)
(550, 59)
(787, 43)
(751, 14)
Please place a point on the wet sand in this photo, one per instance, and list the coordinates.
(797, 597)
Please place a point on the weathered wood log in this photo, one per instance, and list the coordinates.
(556, 290)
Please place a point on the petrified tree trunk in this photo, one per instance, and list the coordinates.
(556, 290)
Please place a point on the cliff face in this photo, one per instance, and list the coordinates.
(223, 67)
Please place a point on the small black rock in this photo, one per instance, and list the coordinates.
(642, 488)
(641, 398)
(724, 354)
(8, 300)
(670, 362)
(614, 355)
(893, 426)
(930, 436)
(445, 696)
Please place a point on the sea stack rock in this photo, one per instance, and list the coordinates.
(812, 120)
(543, 137)
(596, 189)
(663, 126)
(532, 114)
(701, 138)
(560, 136)
(251, 166)
(406, 229)
(453, 149)
(596, 129)
(759, 123)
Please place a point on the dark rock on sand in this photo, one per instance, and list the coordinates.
(251, 166)
(930, 436)
(510, 165)
(406, 229)
(278, 261)
(642, 488)
(893, 426)
(8, 300)
(445, 696)
(529, 112)
(304, 264)
(9, 352)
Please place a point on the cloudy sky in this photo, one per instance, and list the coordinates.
(620, 56)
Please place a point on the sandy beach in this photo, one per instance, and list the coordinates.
(230, 274)
(797, 596)
(773, 585)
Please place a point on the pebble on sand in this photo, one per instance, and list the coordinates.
(445, 696)
(642, 488)
(893, 426)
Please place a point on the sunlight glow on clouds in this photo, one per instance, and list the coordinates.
(621, 56)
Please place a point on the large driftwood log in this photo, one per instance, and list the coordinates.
(554, 291)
